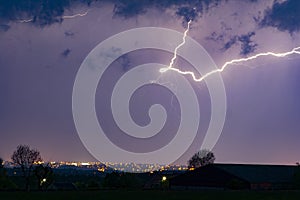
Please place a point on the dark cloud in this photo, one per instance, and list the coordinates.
(188, 10)
(245, 41)
(247, 45)
(284, 16)
(131, 8)
(232, 41)
(4, 27)
(187, 13)
(46, 12)
(66, 52)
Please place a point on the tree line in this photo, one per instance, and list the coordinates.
(29, 161)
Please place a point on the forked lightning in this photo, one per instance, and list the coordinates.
(228, 63)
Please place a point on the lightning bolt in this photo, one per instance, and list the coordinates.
(170, 67)
(25, 20)
(77, 15)
(63, 17)
(295, 50)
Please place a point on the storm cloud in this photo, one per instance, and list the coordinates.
(43, 12)
(247, 45)
(284, 16)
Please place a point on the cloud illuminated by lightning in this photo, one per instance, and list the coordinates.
(228, 63)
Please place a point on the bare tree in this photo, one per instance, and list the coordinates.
(201, 158)
(25, 158)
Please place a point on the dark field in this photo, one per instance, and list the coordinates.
(153, 195)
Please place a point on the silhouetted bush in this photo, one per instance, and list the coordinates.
(297, 178)
(93, 185)
(5, 183)
(122, 180)
(236, 184)
(44, 175)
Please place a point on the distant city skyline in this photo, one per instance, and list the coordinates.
(109, 167)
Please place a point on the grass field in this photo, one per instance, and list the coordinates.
(153, 195)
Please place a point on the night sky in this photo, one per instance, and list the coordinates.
(44, 43)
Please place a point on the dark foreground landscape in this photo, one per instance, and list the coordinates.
(153, 195)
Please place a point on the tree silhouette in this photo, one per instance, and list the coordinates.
(44, 175)
(201, 158)
(25, 158)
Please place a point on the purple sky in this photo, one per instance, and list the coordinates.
(38, 65)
